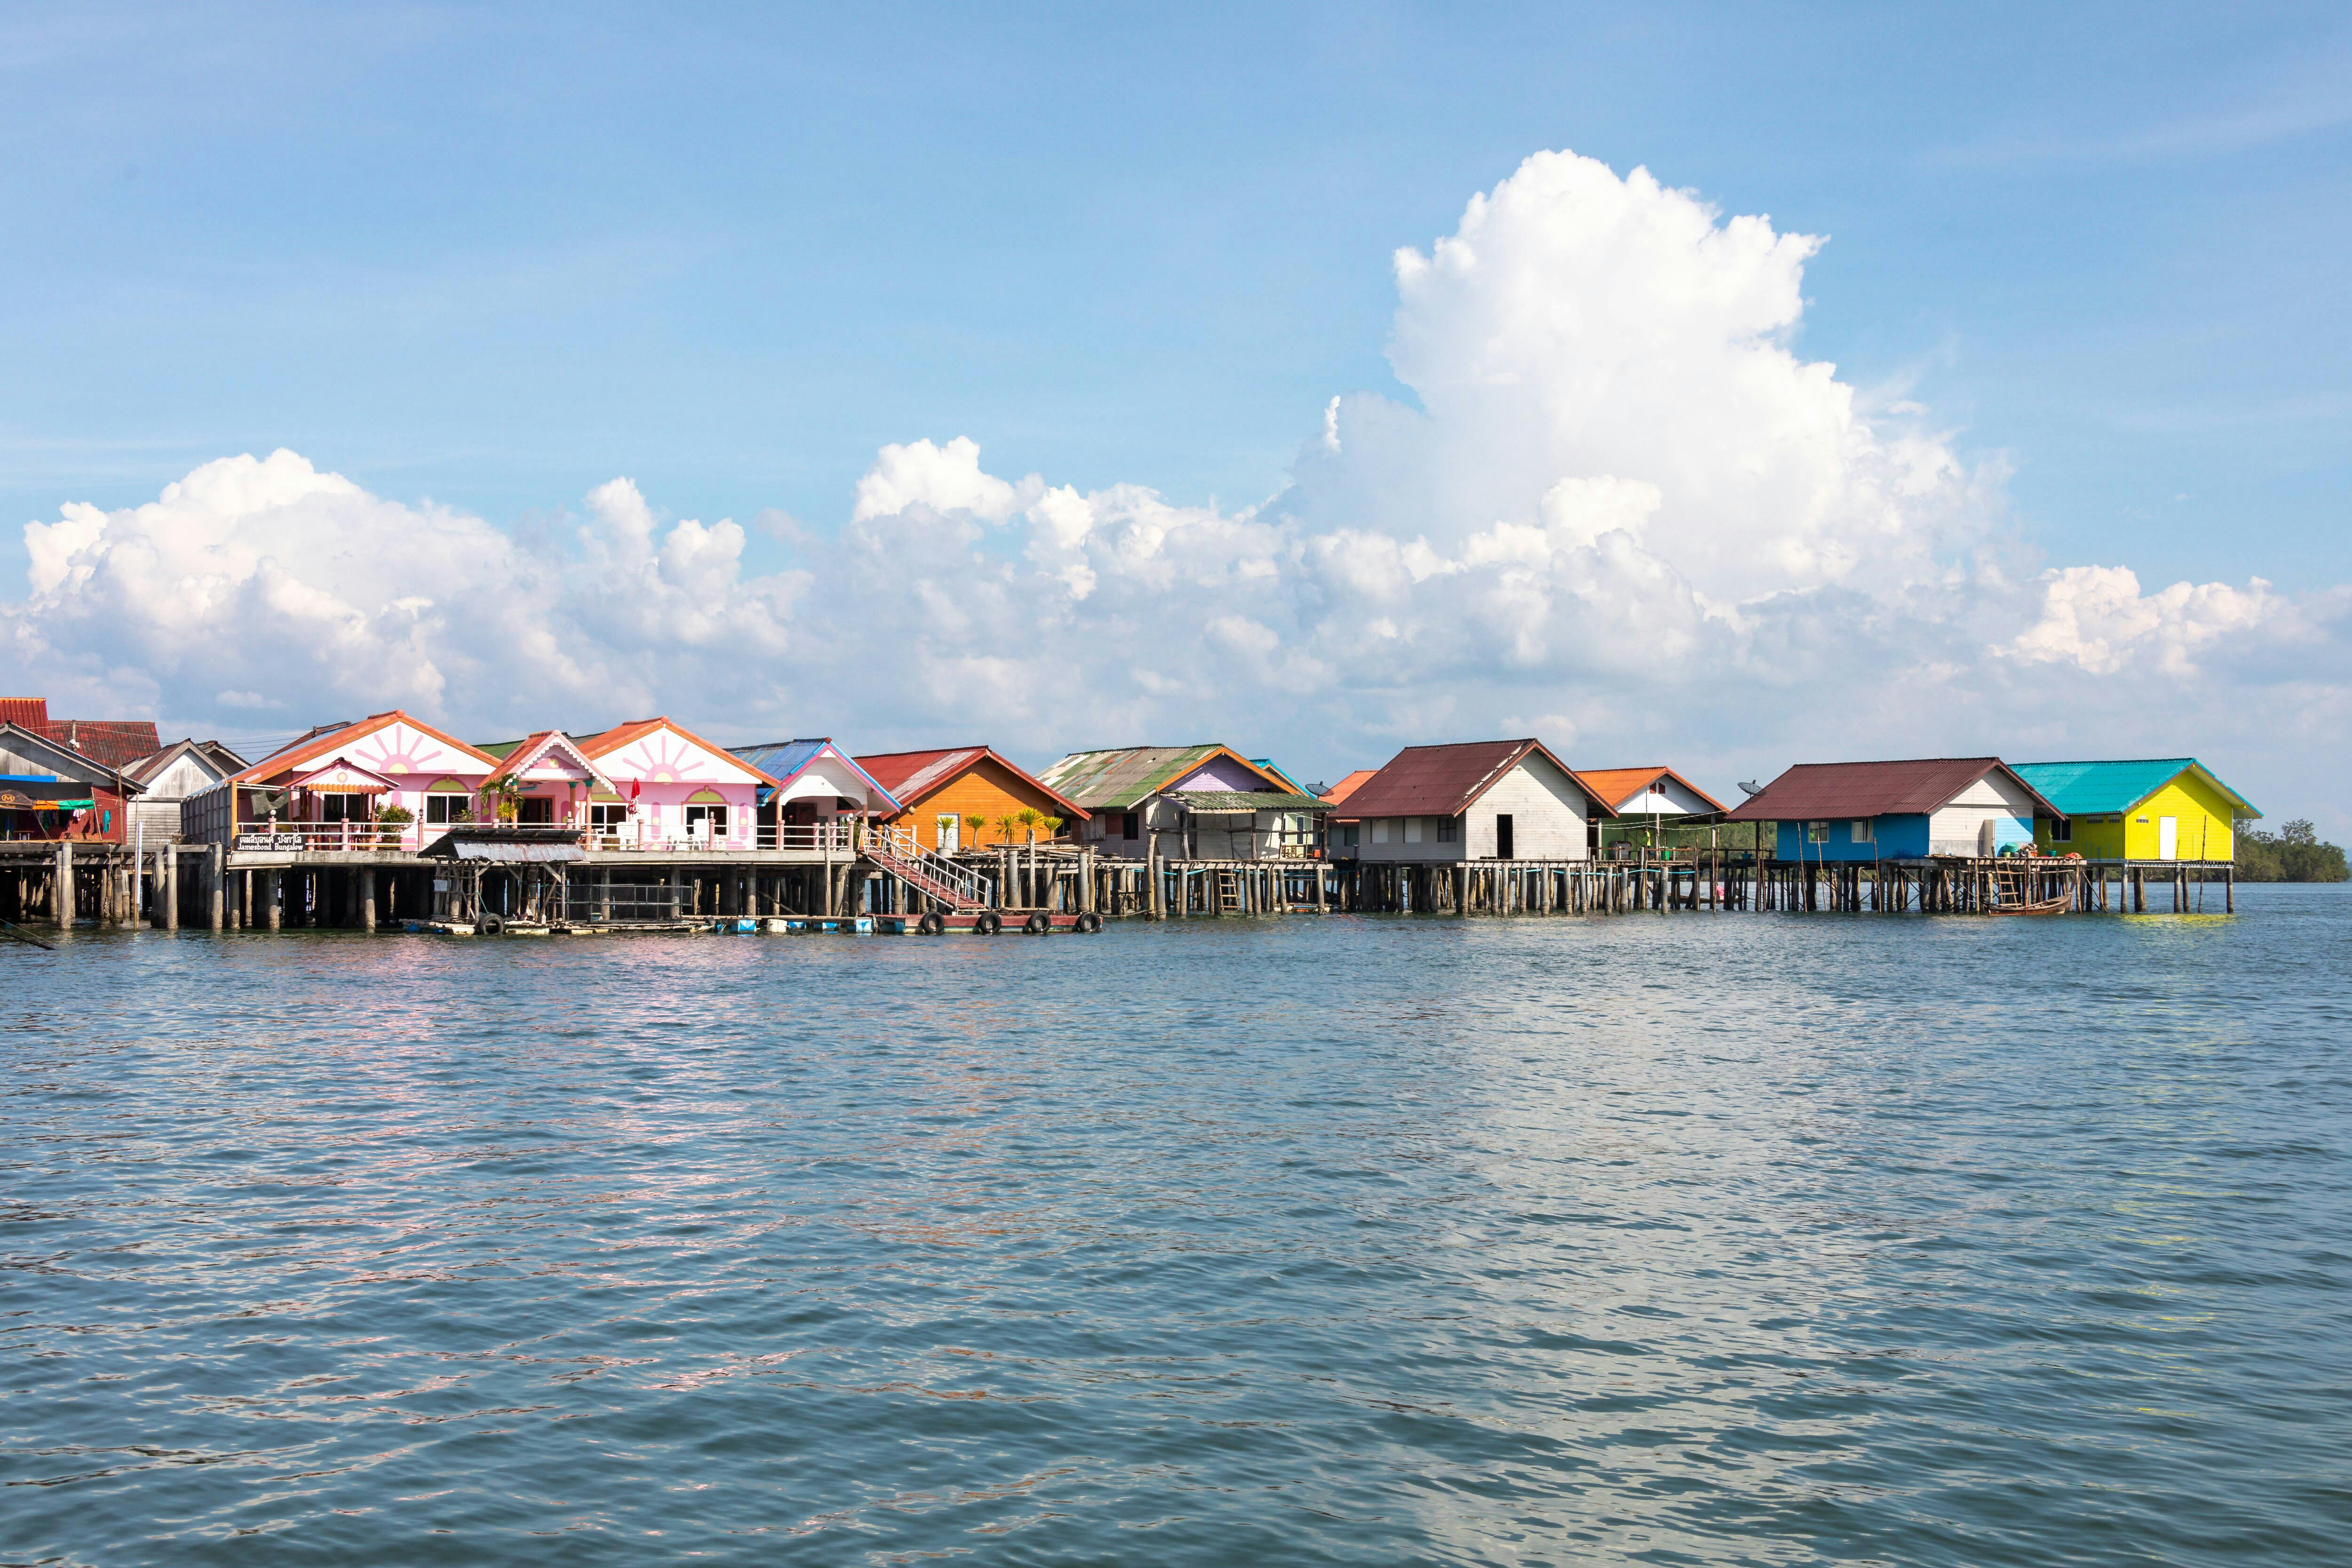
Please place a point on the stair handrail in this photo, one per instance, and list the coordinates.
(901, 843)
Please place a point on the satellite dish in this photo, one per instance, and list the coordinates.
(1752, 788)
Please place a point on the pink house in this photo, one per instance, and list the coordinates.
(328, 787)
(670, 788)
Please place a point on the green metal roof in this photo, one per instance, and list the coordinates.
(2080, 788)
(501, 749)
(1114, 781)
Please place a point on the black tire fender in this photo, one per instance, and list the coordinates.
(1038, 925)
(989, 924)
(491, 926)
(933, 923)
(1089, 922)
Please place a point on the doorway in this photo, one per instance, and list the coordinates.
(949, 828)
(1503, 845)
(2167, 838)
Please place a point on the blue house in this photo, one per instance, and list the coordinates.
(1966, 807)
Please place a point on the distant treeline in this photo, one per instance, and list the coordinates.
(2294, 853)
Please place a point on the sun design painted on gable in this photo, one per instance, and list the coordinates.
(396, 749)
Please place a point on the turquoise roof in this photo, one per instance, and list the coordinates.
(2080, 788)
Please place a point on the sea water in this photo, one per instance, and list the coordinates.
(1690, 1237)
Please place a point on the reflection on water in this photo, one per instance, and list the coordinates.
(1725, 1239)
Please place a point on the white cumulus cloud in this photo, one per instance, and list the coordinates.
(1620, 499)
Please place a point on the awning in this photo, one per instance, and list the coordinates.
(44, 797)
(340, 778)
(1200, 801)
(508, 844)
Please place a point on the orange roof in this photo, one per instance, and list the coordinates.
(1619, 785)
(909, 776)
(320, 742)
(611, 741)
(1346, 786)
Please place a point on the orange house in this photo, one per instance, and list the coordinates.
(940, 789)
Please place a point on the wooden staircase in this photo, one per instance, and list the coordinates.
(896, 851)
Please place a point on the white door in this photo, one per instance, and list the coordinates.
(951, 833)
(2167, 838)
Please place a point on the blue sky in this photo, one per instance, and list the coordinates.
(496, 255)
(494, 258)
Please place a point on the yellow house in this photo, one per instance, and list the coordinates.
(2162, 808)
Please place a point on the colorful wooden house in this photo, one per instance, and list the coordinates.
(1197, 803)
(2156, 809)
(940, 793)
(1651, 799)
(547, 781)
(816, 785)
(669, 788)
(329, 786)
(1481, 799)
(1914, 809)
(50, 790)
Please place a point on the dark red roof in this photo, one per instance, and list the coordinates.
(1814, 791)
(116, 742)
(1445, 780)
(909, 776)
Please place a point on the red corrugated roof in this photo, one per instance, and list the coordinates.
(909, 776)
(1446, 780)
(1812, 791)
(116, 742)
(327, 738)
(1338, 792)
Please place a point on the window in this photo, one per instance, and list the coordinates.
(535, 812)
(1864, 833)
(448, 808)
(2061, 831)
(1817, 833)
(1412, 829)
(1380, 830)
(706, 822)
(1448, 828)
(607, 817)
(1131, 825)
(1349, 832)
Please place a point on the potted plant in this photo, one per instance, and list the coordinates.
(973, 823)
(391, 822)
(1029, 817)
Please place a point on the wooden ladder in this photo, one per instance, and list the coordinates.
(1229, 892)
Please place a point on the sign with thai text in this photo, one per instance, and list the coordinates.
(274, 843)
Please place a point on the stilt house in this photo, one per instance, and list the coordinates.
(2164, 809)
(940, 794)
(1481, 799)
(179, 770)
(675, 789)
(816, 785)
(49, 790)
(1192, 802)
(1965, 806)
(328, 787)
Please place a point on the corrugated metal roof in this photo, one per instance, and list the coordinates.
(1117, 780)
(1246, 800)
(508, 843)
(1814, 791)
(1446, 780)
(2080, 788)
(117, 742)
(1339, 793)
(327, 737)
(912, 775)
(1619, 785)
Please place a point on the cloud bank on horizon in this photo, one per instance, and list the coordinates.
(1625, 516)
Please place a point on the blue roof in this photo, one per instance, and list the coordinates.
(779, 759)
(2080, 788)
